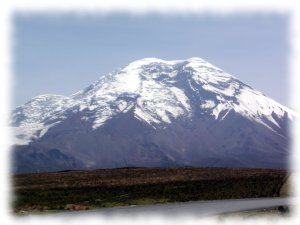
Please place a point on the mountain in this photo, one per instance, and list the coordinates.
(153, 113)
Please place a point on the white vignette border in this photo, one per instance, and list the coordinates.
(82, 7)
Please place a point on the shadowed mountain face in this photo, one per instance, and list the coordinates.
(153, 113)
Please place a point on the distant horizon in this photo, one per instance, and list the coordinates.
(62, 53)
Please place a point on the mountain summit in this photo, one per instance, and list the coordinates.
(153, 113)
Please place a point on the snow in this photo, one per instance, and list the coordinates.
(99, 121)
(208, 104)
(29, 121)
(227, 92)
(218, 109)
(24, 135)
(155, 90)
(128, 80)
(122, 105)
(141, 115)
(181, 97)
(91, 107)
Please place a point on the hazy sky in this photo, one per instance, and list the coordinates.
(64, 53)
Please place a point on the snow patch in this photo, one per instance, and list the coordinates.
(122, 105)
(208, 104)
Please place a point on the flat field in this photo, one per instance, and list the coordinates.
(79, 190)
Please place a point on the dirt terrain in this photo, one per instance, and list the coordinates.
(78, 190)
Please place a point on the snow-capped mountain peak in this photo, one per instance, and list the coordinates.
(157, 92)
(153, 112)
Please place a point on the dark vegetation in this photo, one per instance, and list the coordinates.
(75, 190)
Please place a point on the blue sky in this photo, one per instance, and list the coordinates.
(64, 53)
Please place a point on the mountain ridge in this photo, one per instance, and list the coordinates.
(155, 96)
